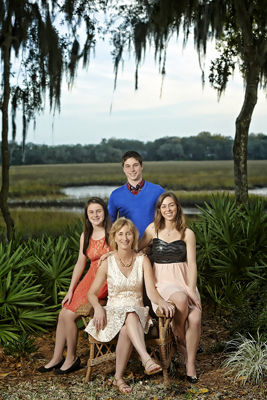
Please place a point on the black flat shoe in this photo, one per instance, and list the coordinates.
(191, 379)
(75, 366)
(58, 365)
(200, 349)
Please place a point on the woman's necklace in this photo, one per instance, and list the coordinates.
(126, 265)
(170, 233)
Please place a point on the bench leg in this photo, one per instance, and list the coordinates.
(88, 374)
(89, 365)
(162, 350)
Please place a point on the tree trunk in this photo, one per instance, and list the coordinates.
(241, 136)
(6, 46)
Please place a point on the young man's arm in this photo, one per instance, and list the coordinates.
(112, 208)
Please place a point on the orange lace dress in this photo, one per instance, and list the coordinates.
(95, 250)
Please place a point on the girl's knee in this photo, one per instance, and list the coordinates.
(180, 300)
(182, 305)
(66, 315)
(61, 315)
(194, 319)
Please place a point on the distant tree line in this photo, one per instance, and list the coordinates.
(204, 146)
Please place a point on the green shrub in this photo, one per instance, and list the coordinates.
(20, 347)
(231, 249)
(250, 315)
(54, 267)
(247, 359)
(73, 234)
(22, 304)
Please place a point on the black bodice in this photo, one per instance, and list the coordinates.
(168, 253)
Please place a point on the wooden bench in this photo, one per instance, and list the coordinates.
(159, 340)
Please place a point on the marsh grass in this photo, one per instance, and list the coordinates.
(37, 191)
(193, 198)
(46, 180)
(193, 182)
(33, 223)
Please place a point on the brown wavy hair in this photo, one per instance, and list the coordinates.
(88, 227)
(118, 224)
(159, 221)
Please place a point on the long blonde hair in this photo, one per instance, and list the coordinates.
(159, 220)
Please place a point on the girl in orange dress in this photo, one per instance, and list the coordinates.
(93, 244)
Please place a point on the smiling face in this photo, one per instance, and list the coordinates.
(124, 238)
(168, 209)
(133, 170)
(96, 214)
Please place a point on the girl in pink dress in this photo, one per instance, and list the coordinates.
(93, 244)
(175, 274)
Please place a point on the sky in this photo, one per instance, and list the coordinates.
(183, 109)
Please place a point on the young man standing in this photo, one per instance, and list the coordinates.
(136, 199)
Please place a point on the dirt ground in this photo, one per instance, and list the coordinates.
(22, 381)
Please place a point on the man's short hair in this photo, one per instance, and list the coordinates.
(131, 154)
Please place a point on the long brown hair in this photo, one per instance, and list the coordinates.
(88, 227)
(159, 220)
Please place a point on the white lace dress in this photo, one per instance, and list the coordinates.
(124, 295)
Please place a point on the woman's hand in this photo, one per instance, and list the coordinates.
(140, 253)
(100, 319)
(168, 308)
(67, 298)
(195, 298)
(104, 257)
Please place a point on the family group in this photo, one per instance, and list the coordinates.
(146, 220)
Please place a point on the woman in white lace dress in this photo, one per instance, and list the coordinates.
(125, 313)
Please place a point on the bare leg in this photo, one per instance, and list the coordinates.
(136, 335)
(192, 339)
(181, 313)
(123, 352)
(66, 333)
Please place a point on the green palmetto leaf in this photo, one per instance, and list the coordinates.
(8, 332)
(231, 241)
(240, 265)
(57, 271)
(206, 248)
(20, 291)
(21, 347)
(229, 291)
(41, 247)
(73, 233)
(219, 208)
(15, 260)
(32, 320)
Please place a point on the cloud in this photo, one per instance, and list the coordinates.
(184, 109)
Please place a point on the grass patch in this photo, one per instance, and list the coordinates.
(192, 198)
(46, 180)
(35, 222)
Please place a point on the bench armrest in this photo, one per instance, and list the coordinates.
(87, 309)
(160, 314)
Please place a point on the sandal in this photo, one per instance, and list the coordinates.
(154, 371)
(122, 389)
